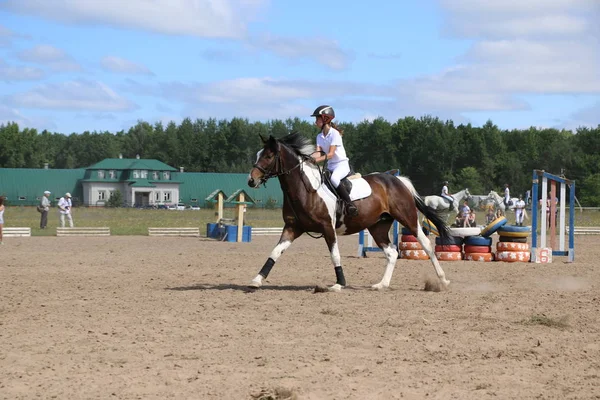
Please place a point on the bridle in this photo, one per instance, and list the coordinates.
(272, 171)
(275, 168)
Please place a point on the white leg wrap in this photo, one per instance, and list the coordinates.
(391, 255)
(424, 241)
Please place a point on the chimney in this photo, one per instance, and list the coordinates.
(120, 155)
(137, 156)
(180, 169)
(46, 165)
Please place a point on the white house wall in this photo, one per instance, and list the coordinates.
(91, 192)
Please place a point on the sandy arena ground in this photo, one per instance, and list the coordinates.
(169, 318)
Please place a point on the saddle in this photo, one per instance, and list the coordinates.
(345, 181)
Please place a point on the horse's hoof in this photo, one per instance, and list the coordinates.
(378, 286)
(255, 285)
(336, 288)
(445, 283)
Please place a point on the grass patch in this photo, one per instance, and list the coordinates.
(132, 221)
(542, 319)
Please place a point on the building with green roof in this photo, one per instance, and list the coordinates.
(142, 182)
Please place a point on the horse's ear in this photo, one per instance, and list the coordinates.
(262, 138)
(272, 143)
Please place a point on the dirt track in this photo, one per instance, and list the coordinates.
(154, 318)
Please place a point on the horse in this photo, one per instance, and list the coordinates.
(500, 201)
(439, 204)
(309, 205)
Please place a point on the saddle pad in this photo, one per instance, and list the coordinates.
(360, 189)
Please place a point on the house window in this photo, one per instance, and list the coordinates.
(112, 174)
(144, 174)
(157, 197)
(155, 175)
(136, 174)
(22, 198)
(166, 196)
(101, 194)
(100, 174)
(112, 193)
(166, 175)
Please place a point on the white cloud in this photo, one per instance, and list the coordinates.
(50, 56)
(7, 36)
(204, 18)
(123, 66)
(12, 73)
(586, 117)
(73, 95)
(520, 48)
(326, 51)
(12, 115)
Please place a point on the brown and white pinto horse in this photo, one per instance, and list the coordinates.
(310, 206)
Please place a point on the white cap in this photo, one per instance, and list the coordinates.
(47, 192)
(67, 194)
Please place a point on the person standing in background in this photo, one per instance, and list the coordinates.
(64, 210)
(519, 211)
(44, 208)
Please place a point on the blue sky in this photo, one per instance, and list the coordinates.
(75, 65)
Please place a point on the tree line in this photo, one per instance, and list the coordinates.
(427, 150)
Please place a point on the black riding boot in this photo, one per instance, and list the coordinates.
(351, 209)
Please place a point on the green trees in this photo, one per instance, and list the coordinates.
(115, 200)
(427, 149)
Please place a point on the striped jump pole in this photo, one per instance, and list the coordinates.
(542, 177)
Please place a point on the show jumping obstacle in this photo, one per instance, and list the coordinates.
(563, 182)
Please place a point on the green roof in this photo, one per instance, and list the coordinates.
(30, 183)
(141, 183)
(132, 163)
(199, 185)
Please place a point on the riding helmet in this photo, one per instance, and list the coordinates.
(326, 112)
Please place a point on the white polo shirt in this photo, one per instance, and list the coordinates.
(333, 138)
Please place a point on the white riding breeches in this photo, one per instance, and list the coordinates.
(519, 214)
(339, 171)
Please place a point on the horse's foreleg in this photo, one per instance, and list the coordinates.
(288, 235)
(336, 259)
(426, 244)
(380, 233)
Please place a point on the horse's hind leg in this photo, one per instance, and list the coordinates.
(410, 219)
(381, 234)
(426, 244)
(288, 235)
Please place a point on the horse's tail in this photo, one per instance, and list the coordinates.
(434, 217)
(427, 211)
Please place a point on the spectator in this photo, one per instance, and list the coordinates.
(44, 208)
(490, 216)
(64, 210)
(472, 219)
(465, 211)
(519, 211)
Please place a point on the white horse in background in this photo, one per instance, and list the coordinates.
(499, 201)
(439, 204)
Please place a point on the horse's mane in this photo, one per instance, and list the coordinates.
(301, 145)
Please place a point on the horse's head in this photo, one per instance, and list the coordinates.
(279, 157)
(467, 193)
(268, 163)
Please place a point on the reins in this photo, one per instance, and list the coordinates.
(273, 172)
